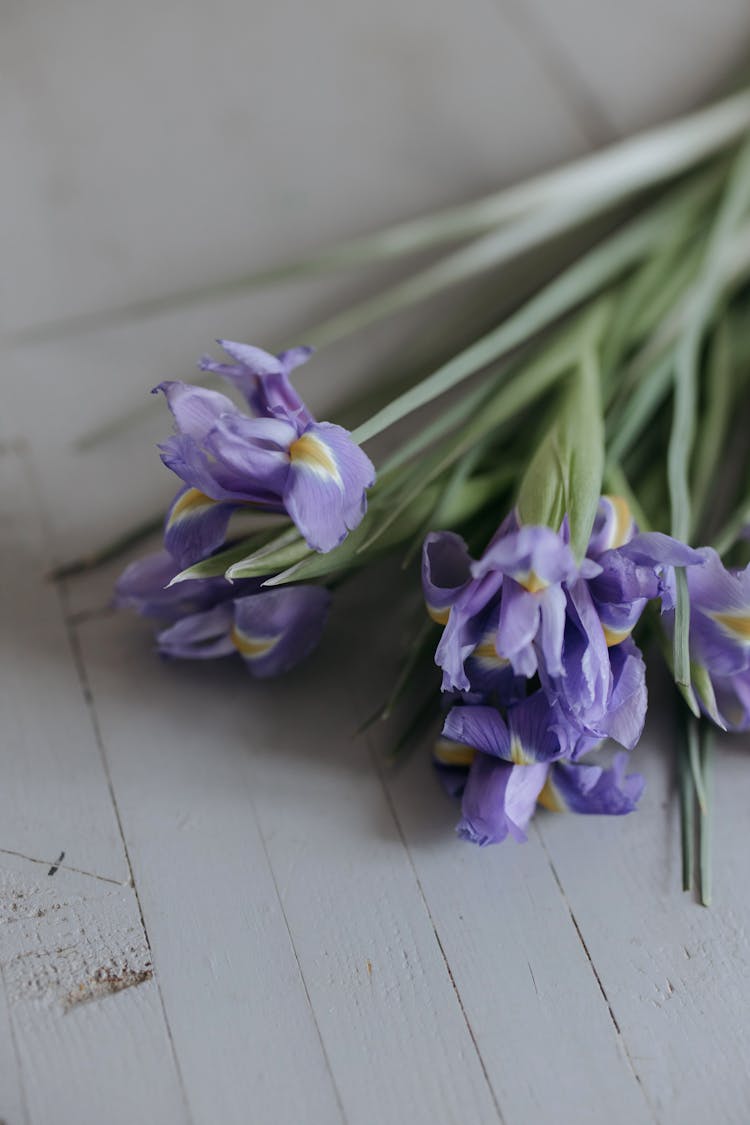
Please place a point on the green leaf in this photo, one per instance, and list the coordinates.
(565, 474)
(705, 825)
(218, 564)
(687, 815)
(283, 551)
(584, 279)
(681, 646)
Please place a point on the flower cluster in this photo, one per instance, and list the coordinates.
(540, 649)
(274, 458)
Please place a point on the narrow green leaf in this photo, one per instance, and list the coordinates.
(687, 816)
(715, 420)
(584, 279)
(218, 564)
(283, 551)
(705, 822)
(693, 747)
(528, 384)
(681, 645)
(565, 474)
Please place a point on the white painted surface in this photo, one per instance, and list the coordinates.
(303, 939)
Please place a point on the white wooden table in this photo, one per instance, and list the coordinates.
(215, 905)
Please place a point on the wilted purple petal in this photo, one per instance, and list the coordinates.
(626, 710)
(534, 556)
(482, 728)
(517, 628)
(592, 789)
(275, 629)
(195, 409)
(144, 587)
(446, 566)
(200, 636)
(499, 800)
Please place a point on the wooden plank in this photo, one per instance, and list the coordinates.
(55, 795)
(86, 1013)
(180, 765)
(202, 754)
(525, 982)
(674, 973)
(12, 1101)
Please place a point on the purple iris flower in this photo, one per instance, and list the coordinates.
(514, 765)
(272, 630)
(279, 459)
(144, 587)
(720, 639)
(526, 609)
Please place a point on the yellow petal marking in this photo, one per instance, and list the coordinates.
(252, 647)
(623, 521)
(518, 755)
(615, 636)
(453, 753)
(736, 624)
(439, 616)
(487, 652)
(313, 454)
(531, 582)
(188, 503)
(550, 798)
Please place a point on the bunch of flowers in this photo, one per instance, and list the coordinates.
(589, 481)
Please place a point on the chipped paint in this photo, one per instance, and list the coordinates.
(69, 941)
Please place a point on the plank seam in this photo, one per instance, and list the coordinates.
(402, 837)
(272, 873)
(79, 665)
(618, 1032)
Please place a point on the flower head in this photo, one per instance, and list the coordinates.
(272, 630)
(278, 459)
(145, 586)
(720, 639)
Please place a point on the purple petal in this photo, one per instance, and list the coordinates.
(195, 526)
(519, 622)
(499, 799)
(144, 587)
(720, 615)
(552, 605)
(652, 548)
(591, 789)
(626, 712)
(195, 409)
(201, 636)
(613, 526)
(534, 556)
(254, 451)
(483, 728)
(445, 571)
(532, 734)
(325, 489)
(275, 629)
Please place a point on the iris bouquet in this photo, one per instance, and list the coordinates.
(575, 478)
